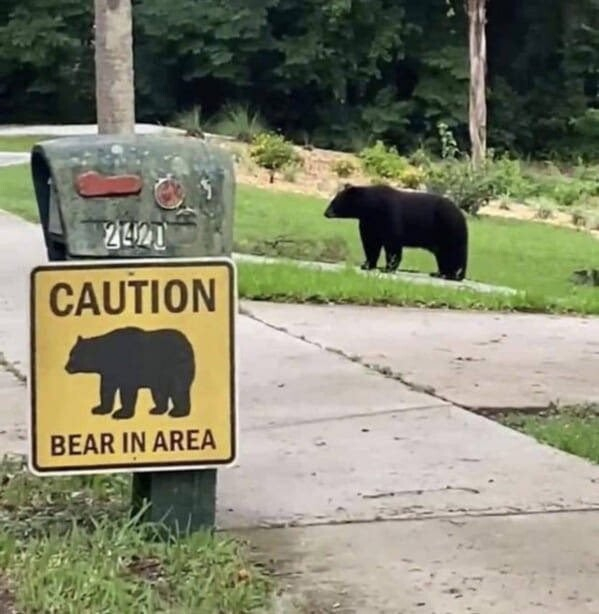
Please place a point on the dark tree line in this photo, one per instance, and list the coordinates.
(338, 73)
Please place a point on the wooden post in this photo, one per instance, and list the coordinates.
(478, 68)
(115, 90)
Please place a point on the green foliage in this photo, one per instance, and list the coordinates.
(348, 73)
(190, 121)
(273, 152)
(449, 146)
(412, 177)
(381, 161)
(385, 163)
(469, 188)
(343, 168)
(507, 180)
(239, 122)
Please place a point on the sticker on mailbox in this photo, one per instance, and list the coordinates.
(132, 366)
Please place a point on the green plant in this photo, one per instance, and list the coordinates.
(240, 122)
(190, 121)
(420, 157)
(343, 167)
(571, 192)
(449, 146)
(273, 152)
(469, 188)
(381, 161)
(506, 179)
(412, 177)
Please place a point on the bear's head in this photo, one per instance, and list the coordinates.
(81, 357)
(346, 203)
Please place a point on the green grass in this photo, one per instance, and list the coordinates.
(535, 258)
(67, 546)
(21, 143)
(572, 429)
(288, 283)
(16, 192)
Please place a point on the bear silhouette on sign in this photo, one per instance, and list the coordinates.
(130, 358)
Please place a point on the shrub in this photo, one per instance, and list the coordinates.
(420, 157)
(240, 123)
(380, 161)
(449, 146)
(190, 121)
(343, 167)
(273, 152)
(412, 177)
(506, 179)
(467, 187)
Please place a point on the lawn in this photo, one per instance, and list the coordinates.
(21, 143)
(67, 545)
(535, 258)
(572, 429)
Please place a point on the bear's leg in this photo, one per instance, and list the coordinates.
(179, 393)
(371, 245)
(447, 265)
(107, 392)
(128, 400)
(393, 254)
(160, 396)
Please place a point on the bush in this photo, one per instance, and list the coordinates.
(240, 123)
(412, 177)
(190, 121)
(470, 189)
(506, 179)
(380, 161)
(568, 192)
(343, 168)
(271, 151)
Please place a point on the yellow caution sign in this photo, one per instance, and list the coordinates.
(132, 366)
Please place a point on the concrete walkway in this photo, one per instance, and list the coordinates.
(372, 496)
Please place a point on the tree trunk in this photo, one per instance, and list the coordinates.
(478, 69)
(115, 93)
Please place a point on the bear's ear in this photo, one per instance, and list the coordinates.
(79, 338)
(347, 186)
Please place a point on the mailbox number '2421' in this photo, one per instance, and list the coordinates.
(121, 234)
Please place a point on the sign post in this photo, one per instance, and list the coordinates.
(133, 321)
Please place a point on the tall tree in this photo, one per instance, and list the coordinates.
(477, 18)
(115, 93)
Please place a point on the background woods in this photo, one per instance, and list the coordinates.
(339, 74)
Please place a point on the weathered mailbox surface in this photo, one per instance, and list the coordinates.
(132, 365)
(134, 196)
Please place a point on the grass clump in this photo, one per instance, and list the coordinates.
(573, 429)
(240, 123)
(67, 546)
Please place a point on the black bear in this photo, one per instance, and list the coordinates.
(395, 219)
(130, 358)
